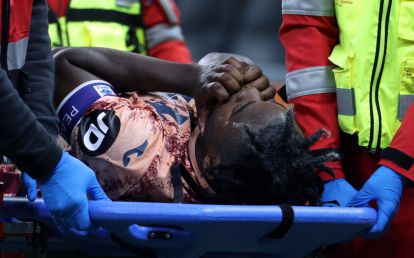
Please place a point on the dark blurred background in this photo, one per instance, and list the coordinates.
(246, 27)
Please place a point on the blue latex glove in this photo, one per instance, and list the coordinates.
(385, 187)
(65, 194)
(31, 187)
(337, 193)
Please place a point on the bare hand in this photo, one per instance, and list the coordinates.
(219, 81)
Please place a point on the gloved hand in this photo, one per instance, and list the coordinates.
(65, 194)
(31, 187)
(337, 192)
(385, 187)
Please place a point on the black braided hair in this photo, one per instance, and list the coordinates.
(271, 166)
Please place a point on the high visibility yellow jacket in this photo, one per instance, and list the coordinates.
(374, 68)
(100, 23)
(368, 81)
(146, 27)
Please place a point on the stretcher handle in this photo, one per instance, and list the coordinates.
(132, 233)
(143, 233)
(139, 238)
(161, 236)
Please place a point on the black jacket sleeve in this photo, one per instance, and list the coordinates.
(26, 127)
(22, 138)
(39, 68)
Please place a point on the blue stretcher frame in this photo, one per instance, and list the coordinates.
(192, 230)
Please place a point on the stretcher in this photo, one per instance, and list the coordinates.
(185, 230)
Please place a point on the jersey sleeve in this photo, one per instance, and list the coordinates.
(309, 32)
(399, 156)
(165, 39)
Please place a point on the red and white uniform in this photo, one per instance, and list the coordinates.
(20, 16)
(309, 32)
(156, 17)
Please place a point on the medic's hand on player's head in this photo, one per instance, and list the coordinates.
(219, 81)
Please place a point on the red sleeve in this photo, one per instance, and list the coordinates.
(171, 49)
(176, 51)
(399, 156)
(58, 6)
(309, 41)
(154, 14)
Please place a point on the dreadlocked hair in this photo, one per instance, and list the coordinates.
(272, 166)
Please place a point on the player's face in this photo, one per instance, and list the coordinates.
(227, 123)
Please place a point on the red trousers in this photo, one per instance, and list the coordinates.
(398, 242)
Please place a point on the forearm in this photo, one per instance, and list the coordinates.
(22, 138)
(39, 67)
(315, 112)
(309, 38)
(399, 156)
(128, 71)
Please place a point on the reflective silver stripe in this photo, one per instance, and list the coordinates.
(345, 101)
(162, 33)
(169, 11)
(16, 54)
(310, 81)
(403, 104)
(309, 7)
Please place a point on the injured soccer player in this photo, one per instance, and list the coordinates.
(159, 131)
